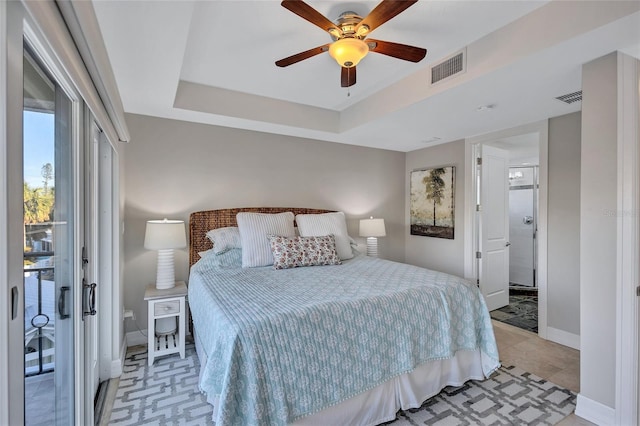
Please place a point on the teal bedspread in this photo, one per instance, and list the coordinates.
(283, 344)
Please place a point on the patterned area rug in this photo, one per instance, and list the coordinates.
(167, 394)
(511, 396)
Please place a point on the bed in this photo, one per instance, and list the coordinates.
(343, 344)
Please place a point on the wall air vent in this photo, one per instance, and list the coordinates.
(449, 67)
(570, 98)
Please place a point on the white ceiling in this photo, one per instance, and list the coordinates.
(213, 62)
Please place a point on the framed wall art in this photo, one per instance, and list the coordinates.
(432, 206)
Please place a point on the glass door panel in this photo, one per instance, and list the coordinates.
(49, 254)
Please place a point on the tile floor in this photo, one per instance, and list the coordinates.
(551, 361)
(522, 311)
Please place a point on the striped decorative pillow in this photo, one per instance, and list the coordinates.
(317, 225)
(254, 230)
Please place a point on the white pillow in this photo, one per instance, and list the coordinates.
(224, 239)
(317, 225)
(254, 231)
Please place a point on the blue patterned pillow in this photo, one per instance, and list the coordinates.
(231, 258)
(293, 252)
(224, 239)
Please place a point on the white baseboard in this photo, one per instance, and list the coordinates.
(136, 338)
(594, 411)
(118, 364)
(563, 337)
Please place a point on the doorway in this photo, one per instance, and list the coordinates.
(524, 180)
(522, 153)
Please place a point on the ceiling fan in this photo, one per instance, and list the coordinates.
(349, 34)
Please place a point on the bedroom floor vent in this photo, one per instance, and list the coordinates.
(449, 67)
(570, 98)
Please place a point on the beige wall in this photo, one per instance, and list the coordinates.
(563, 222)
(438, 253)
(174, 168)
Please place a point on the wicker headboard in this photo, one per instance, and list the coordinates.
(202, 222)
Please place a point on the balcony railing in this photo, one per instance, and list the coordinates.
(39, 317)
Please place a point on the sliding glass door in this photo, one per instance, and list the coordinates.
(50, 258)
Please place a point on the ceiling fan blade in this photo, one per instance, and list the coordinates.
(348, 76)
(302, 56)
(397, 50)
(384, 11)
(305, 11)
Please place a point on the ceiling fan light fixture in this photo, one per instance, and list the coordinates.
(335, 33)
(348, 51)
(362, 31)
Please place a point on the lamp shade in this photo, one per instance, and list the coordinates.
(348, 51)
(165, 234)
(372, 228)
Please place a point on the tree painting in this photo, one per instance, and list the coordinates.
(432, 202)
(434, 188)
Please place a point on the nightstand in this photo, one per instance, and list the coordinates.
(169, 303)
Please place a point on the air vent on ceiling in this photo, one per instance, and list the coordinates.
(570, 98)
(453, 65)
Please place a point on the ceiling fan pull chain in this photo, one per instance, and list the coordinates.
(348, 79)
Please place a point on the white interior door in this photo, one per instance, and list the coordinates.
(494, 227)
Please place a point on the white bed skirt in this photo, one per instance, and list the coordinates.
(381, 403)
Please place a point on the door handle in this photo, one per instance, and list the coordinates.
(14, 302)
(507, 244)
(62, 302)
(88, 298)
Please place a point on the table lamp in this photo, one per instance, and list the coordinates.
(372, 229)
(164, 236)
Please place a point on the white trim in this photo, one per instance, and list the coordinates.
(563, 337)
(4, 287)
(106, 280)
(594, 411)
(470, 155)
(543, 215)
(117, 228)
(628, 242)
(135, 338)
(470, 226)
(78, 160)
